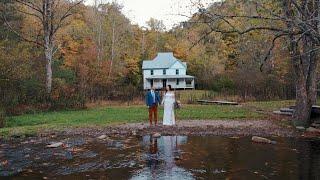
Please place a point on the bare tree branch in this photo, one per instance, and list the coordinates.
(30, 5)
(18, 34)
(273, 43)
(66, 15)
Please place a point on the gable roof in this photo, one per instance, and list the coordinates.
(163, 61)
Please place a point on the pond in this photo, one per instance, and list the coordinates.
(168, 157)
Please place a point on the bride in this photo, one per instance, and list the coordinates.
(168, 102)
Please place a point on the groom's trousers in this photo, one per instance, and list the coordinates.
(153, 111)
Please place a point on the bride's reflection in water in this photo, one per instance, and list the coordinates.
(160, 158)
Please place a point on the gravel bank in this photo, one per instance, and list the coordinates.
(195, 127)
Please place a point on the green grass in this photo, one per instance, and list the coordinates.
(34, 123)
(271, 105)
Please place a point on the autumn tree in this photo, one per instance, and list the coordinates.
(50, 15)
(296, 21)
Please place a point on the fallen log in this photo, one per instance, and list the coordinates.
(283, 113)
(218, 102)
(313, 130)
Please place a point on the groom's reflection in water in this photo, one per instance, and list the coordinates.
(153, 145)
(160, 158)
(153, 161)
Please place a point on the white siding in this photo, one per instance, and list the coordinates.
(156, 72)
(159, 72)
(157, 83)
(178, 65)
(173, 72)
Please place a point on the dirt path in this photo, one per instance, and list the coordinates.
(196, 127)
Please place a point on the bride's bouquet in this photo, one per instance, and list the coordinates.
(177, 104)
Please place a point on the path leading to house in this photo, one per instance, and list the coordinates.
(197, 127)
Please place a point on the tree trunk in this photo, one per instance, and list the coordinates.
(304, 60)
(2, 117)
(48, 31)
(48, 48)
(303, 105)
(49, 71)
(112, 48)
(306, 86)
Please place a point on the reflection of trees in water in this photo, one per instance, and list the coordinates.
(219, 157)
(160, 158)
(309, 159)
(208, 157)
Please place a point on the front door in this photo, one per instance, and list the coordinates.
(164, 82)
(151, 83)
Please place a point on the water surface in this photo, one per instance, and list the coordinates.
(168, 157)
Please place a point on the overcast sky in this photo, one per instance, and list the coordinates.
(140, 11)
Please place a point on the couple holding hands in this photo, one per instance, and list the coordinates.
(153, 99)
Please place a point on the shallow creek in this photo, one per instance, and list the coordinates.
(168, 157)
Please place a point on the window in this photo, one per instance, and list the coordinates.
(178, 81)
(151, 82)
(177, 71)
(151, 72)
(164, 72)
(189, 81)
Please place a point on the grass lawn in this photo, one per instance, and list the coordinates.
(103, 116)
(271, 105)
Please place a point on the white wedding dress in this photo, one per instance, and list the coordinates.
(168, 114)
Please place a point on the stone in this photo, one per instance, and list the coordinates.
(156, 135)
(313, 130)
(102, 137)
(55, 145)
(301, 128)
(235, 137)
(262, 140)
(134, 133)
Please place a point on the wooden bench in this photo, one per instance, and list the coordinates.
(315, 111)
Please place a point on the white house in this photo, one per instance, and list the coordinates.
(165, 70)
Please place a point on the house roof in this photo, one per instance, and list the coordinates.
(170, 77)
(163, 61)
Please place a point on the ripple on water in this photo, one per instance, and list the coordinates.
(177, 157)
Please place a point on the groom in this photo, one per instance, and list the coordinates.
(152, 101)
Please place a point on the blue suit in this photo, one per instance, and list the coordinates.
(150, 100)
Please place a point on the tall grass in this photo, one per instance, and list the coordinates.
(192, 96)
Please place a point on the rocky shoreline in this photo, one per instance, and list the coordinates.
(226, 128)
(266, 128)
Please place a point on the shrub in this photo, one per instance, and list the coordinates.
(2, 118)
(223, 83)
